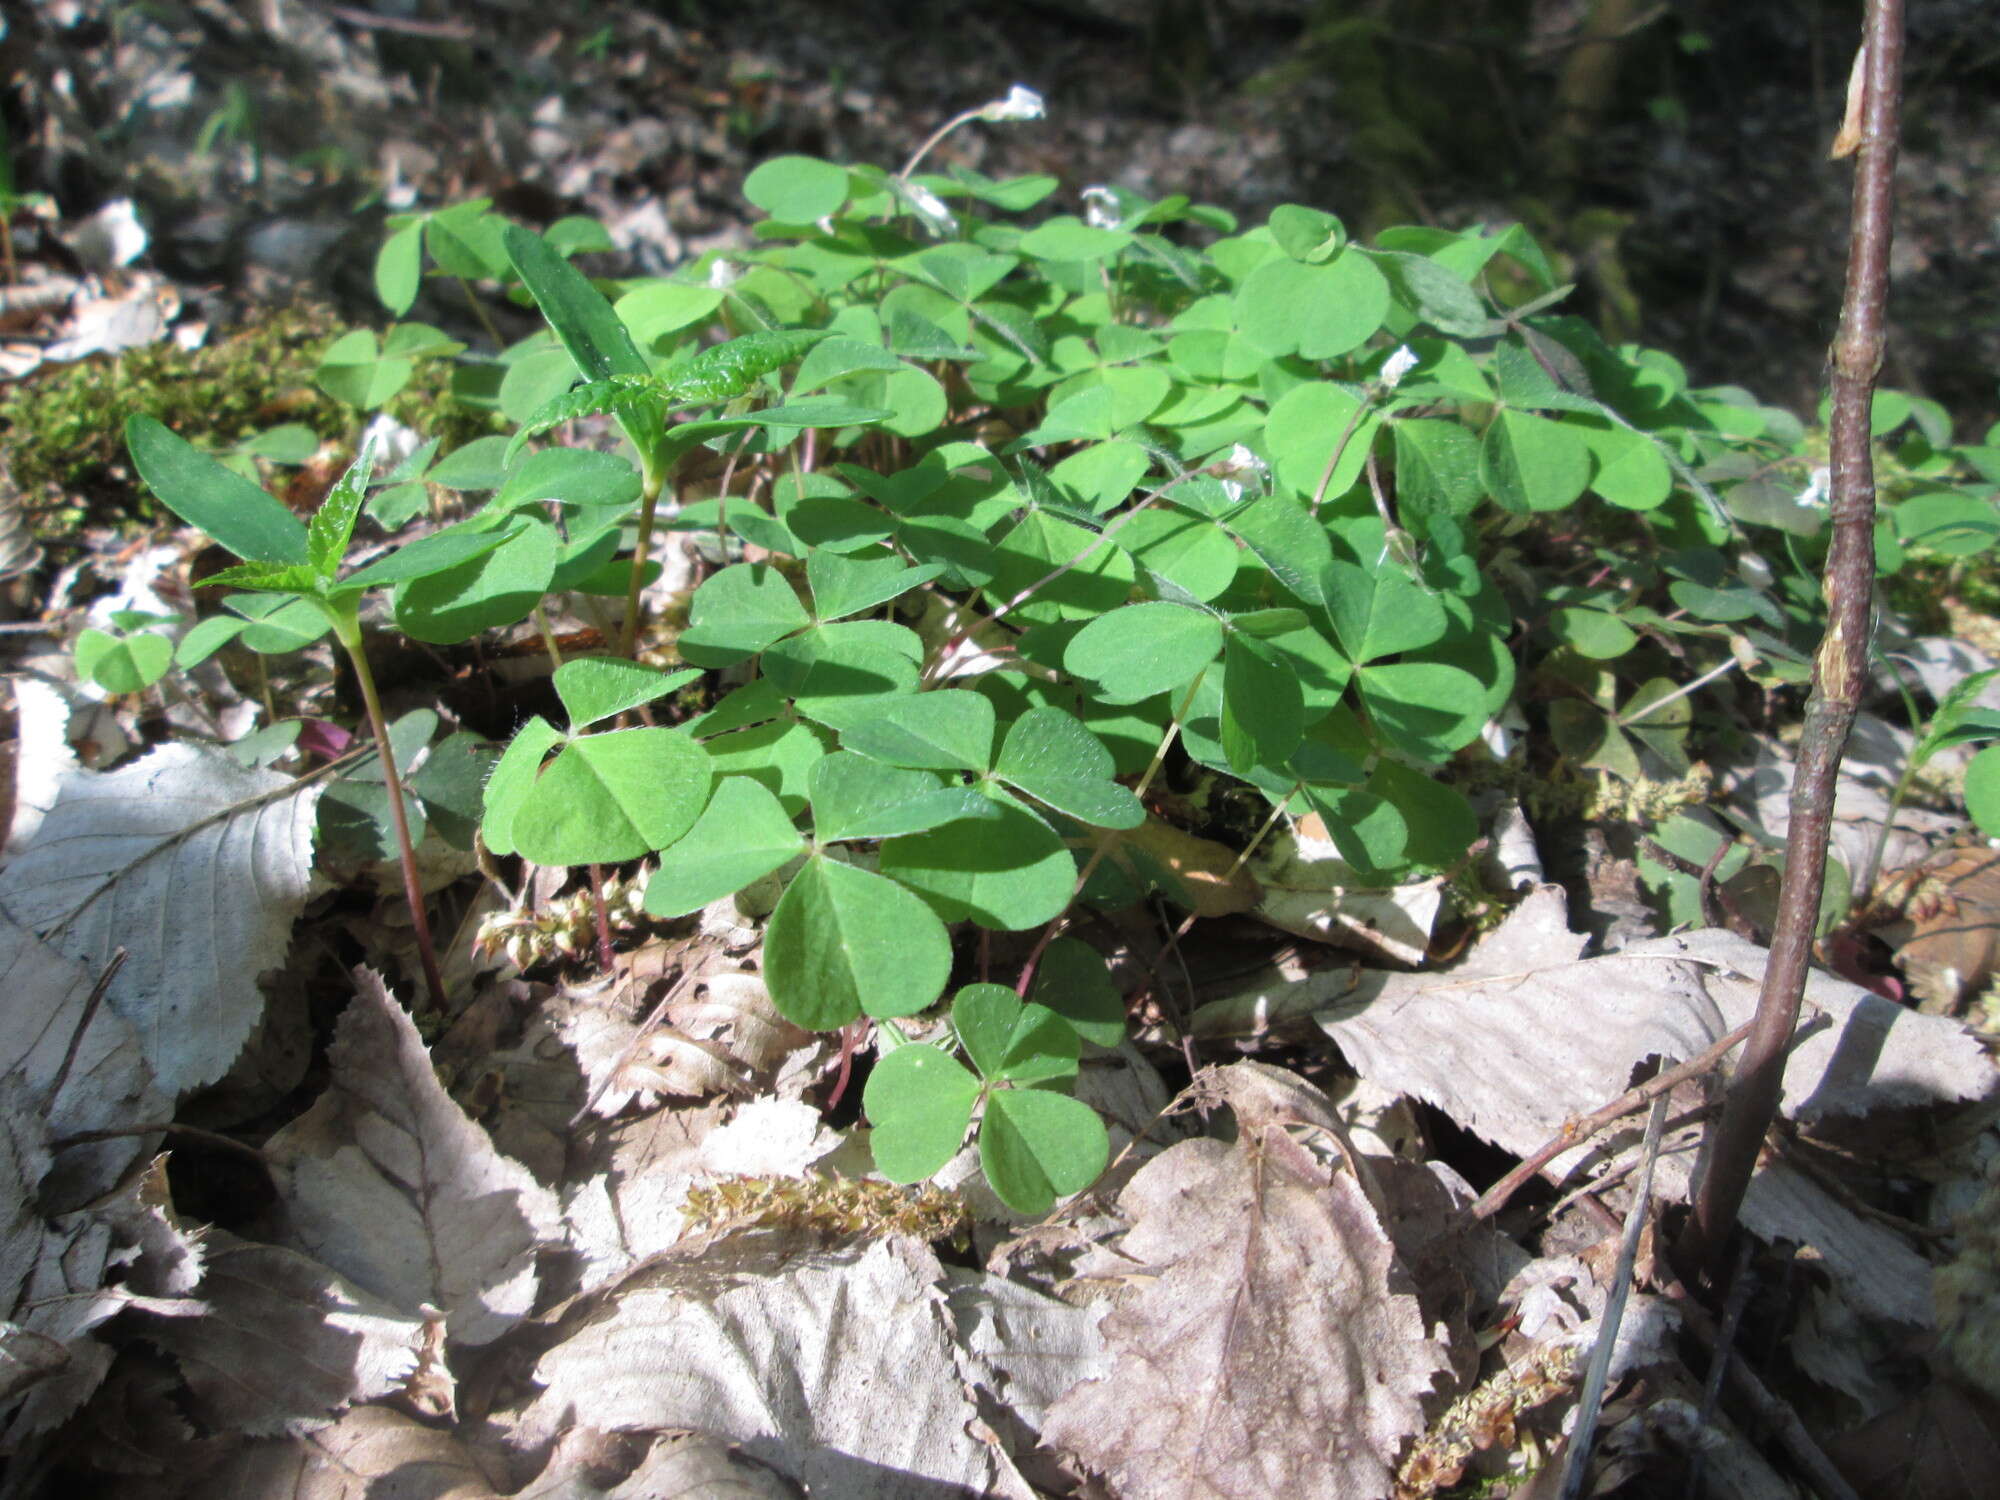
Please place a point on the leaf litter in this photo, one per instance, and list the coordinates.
(624, 1253)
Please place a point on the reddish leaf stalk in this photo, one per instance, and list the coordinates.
(1839, 670)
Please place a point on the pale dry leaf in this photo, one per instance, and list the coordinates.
(1308, 889)
(371, 1453)
(1027, 1347)
(26, 1360)
(1512, 1046)
(723, 1035)
(42, 756)
(632, 1209)
(689, 1466)
(107, 1084)
(1268, 1351)
(386, 1181)
(165, 1257)
(836, 1367)
(194, 864)
(285, 1342)
(62, 1300)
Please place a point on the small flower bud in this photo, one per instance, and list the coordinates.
(1021, 103)
(1818, 489)
(1100, 208)
(1397, 365)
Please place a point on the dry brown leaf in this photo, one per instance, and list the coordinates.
(106, 1085)
(836, 1367)
(1198, 873)
(632, 1208)
(371, 1453)
(284, 1342)
(1524, 1036)
(386, 1181)
(1945, 925)
(1269, 1353)
(1941, 1445)
(691, 1466)
(1308, 889)
(719, 1033)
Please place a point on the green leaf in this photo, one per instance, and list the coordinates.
(1006, 873)
(919, 1100)
(843, 940)
(1035, 1147)
(726, 371)
(1053, 758)
(742, 836)
(277, 624)
(1530, 463)
(1138, 650)
(1098, 578)
(1316, 312)
(843, 586)
(1378, 614)
(512, 783)
(1425, 709)
(123, 664)
(352, 370)
(1302, 430)
(500, 586)
(1630, 472)
(1594, 633)
(332, 524)
(1433, 294)
(840, 674)
(987, 1018)
(478, 465)
(1307, 234)
(201, 642)
(1437, 468)
(1954, 709)
(797, 189)
(437, 553)
(854, 797)
(595, 688)
(296, 578)
(1982, 790)
(579, 477)
(234, 512)
(451, 782)
(1191, 552)
(1263, 712)
(1072, 981)
(639, 402)
(945, 730)
(612, 797)
(592, 333)
(1065, 237)
(399, 268)
(738, 612)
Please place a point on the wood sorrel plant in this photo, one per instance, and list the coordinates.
(1036, 499)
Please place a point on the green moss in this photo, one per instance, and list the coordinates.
(63, 426)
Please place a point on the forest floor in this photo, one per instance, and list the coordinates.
(602, 1229)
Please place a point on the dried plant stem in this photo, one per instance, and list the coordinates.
(1839, 671)
(1576, 1132)
(349, 632)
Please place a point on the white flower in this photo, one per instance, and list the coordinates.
(1397, 365)
(1818, 489)
(1100, 208)
(1021, 103)
(722, 274)
(927, 203)
(1239, 461)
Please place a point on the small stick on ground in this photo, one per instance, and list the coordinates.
(1576, 1132)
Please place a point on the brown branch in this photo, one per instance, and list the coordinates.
(1576, 1132)
(1841, 666)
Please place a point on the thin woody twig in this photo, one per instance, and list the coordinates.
(1576, 1132)
(1840, 668)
